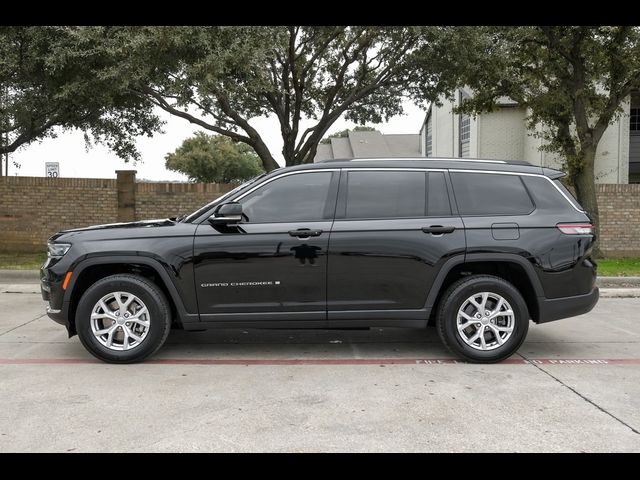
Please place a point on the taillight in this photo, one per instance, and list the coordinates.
(575, 228)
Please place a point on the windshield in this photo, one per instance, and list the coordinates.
(222, 198)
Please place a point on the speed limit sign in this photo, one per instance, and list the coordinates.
(53, 169)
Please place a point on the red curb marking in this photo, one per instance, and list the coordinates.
(327, 361)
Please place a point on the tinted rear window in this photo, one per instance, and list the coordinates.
(545, 195)
(490, 194)
(386, 194)
(437, 196)
(569, 195)
(396, 194)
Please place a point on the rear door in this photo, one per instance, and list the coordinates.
(393, 230)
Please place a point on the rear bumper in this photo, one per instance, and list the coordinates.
(557, 308)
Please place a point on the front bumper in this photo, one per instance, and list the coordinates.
(57, 316)
(557, 308)
(52, 292)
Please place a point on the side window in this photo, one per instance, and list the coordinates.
(385, 194)
(546, 196)
(437, 197)
(490, 194)
(294, 198)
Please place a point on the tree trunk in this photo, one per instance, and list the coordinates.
(585, 185)
(288, 149)
(268, 162)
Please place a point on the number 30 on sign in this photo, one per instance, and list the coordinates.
(53, 169)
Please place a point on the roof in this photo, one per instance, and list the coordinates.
(369, 145)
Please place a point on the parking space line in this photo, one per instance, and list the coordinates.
(22, 324)
(326, 361)
(581, 395)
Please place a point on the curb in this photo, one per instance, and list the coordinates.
(618, 282)
(19, 288)
(619, 292)
(19, 276)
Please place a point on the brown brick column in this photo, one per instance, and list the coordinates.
(126, 184)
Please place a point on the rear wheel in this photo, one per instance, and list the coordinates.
(123, 319)
(482, 319)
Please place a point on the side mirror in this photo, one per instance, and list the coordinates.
(227, 213)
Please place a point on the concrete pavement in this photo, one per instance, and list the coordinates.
(574, 386)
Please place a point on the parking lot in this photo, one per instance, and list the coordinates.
(574, 386)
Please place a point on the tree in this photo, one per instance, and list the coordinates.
(572, 80)
(214, 158)
(54, 78)
(219, 78)
(345, 133)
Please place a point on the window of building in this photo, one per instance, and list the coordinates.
(491, 194)
(293, 198)
(634, 123)
(429, 139)
(464, 131)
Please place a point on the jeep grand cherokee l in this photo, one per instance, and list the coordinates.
(477, 247)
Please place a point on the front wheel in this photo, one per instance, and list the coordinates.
(482, 319)
(123, 319)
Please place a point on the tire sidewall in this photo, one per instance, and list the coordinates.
(459, 295)
(153, 300)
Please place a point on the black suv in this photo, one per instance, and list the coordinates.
(477, 247)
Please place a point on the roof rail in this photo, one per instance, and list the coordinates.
(425, 158)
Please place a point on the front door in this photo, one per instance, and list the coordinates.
(393, 230)
(273, 265)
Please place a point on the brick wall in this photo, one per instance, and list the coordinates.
(161, 200)
(33, 208)
(619, 218)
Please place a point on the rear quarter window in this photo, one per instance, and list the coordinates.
(569, 195)
(488, 194)
(545, 195)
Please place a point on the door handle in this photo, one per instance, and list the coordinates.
(305, 233)
(438, 229)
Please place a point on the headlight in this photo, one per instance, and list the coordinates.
(57, 250)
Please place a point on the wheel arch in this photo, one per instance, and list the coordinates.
(511, 267)
(90, 270)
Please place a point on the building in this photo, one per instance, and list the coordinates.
(369, 145)
(503, 134)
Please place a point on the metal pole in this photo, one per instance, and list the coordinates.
(5, 137)
(6, 155)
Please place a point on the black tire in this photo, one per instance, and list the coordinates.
(145, 290)
(454, 298)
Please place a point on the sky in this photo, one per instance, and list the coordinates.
(75, 160)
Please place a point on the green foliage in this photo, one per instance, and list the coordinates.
(11, 260)
(345, 133)
(619, 267)
(54, 78)
(573, 81)
(221, 77)
(214, 159)
(106, 81)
